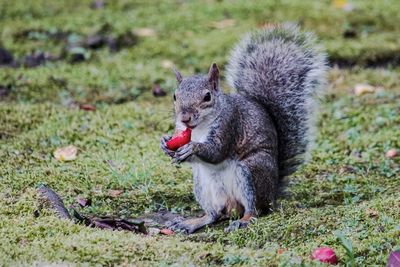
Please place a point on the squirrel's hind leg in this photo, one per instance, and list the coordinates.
(245, 194)
(257, 178)
(191, 225)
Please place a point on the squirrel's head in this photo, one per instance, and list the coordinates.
(196, 98)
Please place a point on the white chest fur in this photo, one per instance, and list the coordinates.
(215, 184)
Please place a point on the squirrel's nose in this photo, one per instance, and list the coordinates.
(186, 118)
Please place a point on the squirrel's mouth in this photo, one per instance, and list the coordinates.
(190, 126)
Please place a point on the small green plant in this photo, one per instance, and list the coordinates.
(130, 177)
(347, 245)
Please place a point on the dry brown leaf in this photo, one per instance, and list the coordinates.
(145, 32)
(167, 64)
(281, 251)
(67, 153)
(83, 202)
(343, 4)
(114, 193)
(371, 213)
(339, 3)
(267, 25)
(361, 89)
(222, 24)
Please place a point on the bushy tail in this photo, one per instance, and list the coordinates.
(283, 69)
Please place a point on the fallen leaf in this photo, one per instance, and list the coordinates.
(157, 91)
(166, 231)
(267, 25)
(371, 213)
(114, 193)
(87, 107)
(83, 202)
(361, 89)
(67, 153)
(339, 3)
(48, 198)
(343, 4)
(281, 251)
(145, 32)
(392, 153)
(112, 223)
(222, 24)
(167, 64)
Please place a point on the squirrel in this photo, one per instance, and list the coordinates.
(244, 143)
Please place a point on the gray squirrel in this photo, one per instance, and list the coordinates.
(244, 143)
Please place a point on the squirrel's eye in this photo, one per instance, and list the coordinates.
(174, 97)
(207, 97)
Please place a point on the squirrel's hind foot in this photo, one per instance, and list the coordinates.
(192, 225)
(238, 224)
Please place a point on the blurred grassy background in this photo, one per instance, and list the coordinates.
(188, 34)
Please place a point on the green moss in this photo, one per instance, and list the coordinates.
(119, 142)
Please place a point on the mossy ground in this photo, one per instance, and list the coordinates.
(348, 186)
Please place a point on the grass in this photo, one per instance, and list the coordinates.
(347, 177)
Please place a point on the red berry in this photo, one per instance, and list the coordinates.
(392, 153)
(325, 254)
(180, 139)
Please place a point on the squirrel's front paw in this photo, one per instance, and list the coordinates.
(163, 145)
(185, 152)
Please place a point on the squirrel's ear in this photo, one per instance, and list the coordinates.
(213, 76)
(178, 75)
